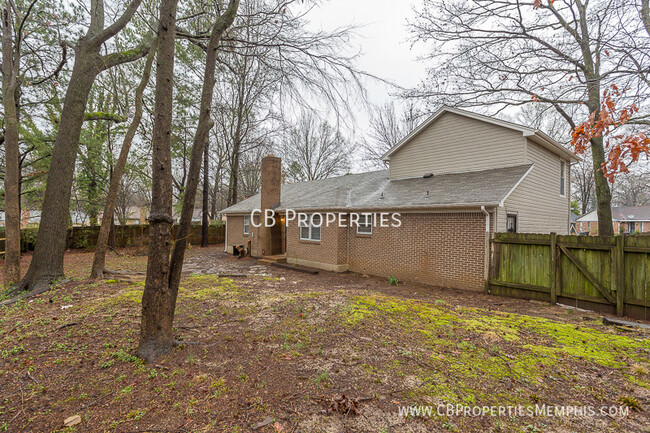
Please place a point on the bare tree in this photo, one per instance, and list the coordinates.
(156, 324)
(158, 315)
(582, 180)
(99, 259)
(500, 53)
(387, 127)
(632, 189)
(47, 262)
(273, 60)
(314, 150)
(22, 64)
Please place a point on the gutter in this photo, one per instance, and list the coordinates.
(225, 241)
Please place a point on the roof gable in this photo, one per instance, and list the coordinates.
(537, 136)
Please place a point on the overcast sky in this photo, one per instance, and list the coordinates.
(382, 39)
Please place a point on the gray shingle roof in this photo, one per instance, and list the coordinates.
(621, 213)
(374, 190)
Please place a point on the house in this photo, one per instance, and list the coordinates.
(452, 182)
(627, 219)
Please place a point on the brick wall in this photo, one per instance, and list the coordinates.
(330, 250)
(439, 249)
(445, 249)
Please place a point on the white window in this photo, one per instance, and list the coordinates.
(310, 230)
(247, 224)
(365, 224)
(562, 178)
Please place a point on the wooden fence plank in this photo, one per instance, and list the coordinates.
(618, 277)
(520, 286)
(604, 273)
(603, 291)
(553, 268)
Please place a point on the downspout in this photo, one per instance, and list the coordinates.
(486, 268)
(225, 241)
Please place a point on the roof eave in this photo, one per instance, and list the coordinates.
(552, 145)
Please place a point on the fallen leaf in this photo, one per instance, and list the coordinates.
(268, 420)
(73, 420)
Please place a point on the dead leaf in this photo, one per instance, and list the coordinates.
(268, 420)
(73, 420)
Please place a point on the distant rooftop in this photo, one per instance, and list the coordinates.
(623, 213)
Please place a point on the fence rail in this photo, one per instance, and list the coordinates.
(125, 236)
(606, 274)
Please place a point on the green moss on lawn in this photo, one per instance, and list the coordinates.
(460, 347)
(200, 287)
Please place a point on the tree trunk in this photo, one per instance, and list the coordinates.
(215, 192)
(603, 193)
(99, 259)
(156, 336)
(205, 221)
(47, 261)
(234, 178)
(200, 140)
(12, 150)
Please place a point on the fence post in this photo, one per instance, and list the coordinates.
(553, 268)
(618, 279)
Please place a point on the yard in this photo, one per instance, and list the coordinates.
(284, 351)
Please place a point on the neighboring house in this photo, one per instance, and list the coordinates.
(455, 179)
(627, 219)
(133, 215)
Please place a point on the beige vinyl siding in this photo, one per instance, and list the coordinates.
(537, 201)
(453, 144)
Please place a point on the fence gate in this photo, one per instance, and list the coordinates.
(606, 274)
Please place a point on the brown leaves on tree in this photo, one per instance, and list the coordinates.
(623, 149)
(538, 3)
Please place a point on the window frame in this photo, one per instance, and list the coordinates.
(516, 220)
(368, 220)
(247, 224)
(310, 229)
(563, 179)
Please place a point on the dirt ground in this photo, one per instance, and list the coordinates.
(284, 351)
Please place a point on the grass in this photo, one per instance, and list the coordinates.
(257, 347)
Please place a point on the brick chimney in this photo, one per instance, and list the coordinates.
(271, 180)
(269, 197)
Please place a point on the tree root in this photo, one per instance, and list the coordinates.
(38, 287)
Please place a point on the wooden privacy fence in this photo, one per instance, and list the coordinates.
(125, 236)
(606, 274)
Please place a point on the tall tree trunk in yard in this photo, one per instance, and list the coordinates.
(10, 62)
(156, 336)
(200, 139)
(99, 259)
(47, 261)
(205, 221)
(603, 193)
(234, 178)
